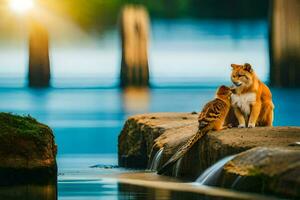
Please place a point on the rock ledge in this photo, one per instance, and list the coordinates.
(143, 135)
(27, 151)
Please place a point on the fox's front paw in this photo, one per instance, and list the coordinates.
(242, 126)
(251, 125)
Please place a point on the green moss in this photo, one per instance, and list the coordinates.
(263, 180)
(12, 126)
(254, 172)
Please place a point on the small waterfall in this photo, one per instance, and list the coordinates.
(211, 175)
(176, 168)
(156, 160)
(236, 182)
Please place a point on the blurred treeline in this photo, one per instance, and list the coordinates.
(98, 13)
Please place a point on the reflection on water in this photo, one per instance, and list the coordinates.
(143, 193)
(87, 189)
(136, 100)
(29, 192)
(152, 186)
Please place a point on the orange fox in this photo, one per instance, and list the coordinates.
(252, 101)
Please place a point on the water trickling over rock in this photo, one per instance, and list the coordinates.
(176, 168)
(211, 175)
(156, 160)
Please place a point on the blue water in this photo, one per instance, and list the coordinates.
(91, 119)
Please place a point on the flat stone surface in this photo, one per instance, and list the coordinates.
(143, 135)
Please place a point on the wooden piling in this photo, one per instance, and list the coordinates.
(134, 29)
(39, 63)
(285, 43)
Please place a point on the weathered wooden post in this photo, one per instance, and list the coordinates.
(39, 63)
(285, 43)
(134, 24)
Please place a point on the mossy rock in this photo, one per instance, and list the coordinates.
(264, 170)
(27, 151)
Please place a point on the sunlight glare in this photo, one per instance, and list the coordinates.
(21, 6)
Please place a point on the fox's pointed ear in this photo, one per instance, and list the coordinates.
(248, 67)
(233, 66)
